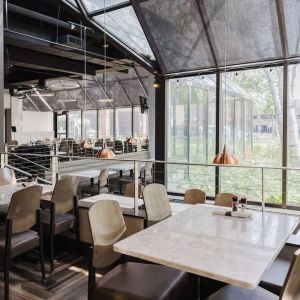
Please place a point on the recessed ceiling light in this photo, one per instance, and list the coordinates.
(105, 100)
(42, 94)
(65, 85)
(67, 100)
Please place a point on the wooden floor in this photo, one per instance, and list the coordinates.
(68, 281)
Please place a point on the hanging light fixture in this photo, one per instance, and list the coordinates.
(105, 46)
(225, 158)
(156, 83)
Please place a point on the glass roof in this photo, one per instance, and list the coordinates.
(188, 35)
(124, 24)
(72, 2)
(68, 94)
(93, 5)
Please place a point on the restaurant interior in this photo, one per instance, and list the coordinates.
(150, 149)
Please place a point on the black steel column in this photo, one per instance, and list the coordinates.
(218, 128)
(284, 131)
(55, 124)
(160, 130)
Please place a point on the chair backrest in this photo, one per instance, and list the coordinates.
(129, 190)
(7, 176)
(63, 195)
(194, 196)
(103, 176)
(156, 202)
(224, 199)
(23, 208)
(291, 287)
(107, 227)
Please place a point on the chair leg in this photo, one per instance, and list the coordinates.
(52, 253)
(91, 282)
(42, 259)
(6, 278)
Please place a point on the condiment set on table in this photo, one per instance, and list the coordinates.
(238, 210)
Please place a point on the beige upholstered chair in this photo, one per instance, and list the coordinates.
(194, 196)
(290, 291)
(108, 227)
(224, 199)
(129, 190)
(100, 187)
(156, 202)
(7, 176)
(61, 212)
(17, 236)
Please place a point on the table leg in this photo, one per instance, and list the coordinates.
(92, 181)
(195, 283)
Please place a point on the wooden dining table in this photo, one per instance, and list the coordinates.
(232, 250)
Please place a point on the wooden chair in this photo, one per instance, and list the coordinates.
(157, 203)
(224, 199)
(129, 190)
(130, 280)
(291, 288)
(100, 187)
(194, 196)
(17, 236)
(61, 211)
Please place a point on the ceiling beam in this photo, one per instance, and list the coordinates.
(109, 9)
(33, 59)
(208, 32)
(282, 28)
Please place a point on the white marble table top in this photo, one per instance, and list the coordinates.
(127, 202)
(232, 250)
(6, 192)
(89, 173)
(126, 166)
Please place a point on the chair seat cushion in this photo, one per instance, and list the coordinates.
(230, 292)
(273, 279)
(132, 281)
(62, 222)
(20, 242)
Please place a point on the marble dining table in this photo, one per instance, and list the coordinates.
(232, 250)
(6, 192)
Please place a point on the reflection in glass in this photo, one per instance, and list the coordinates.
(140, 123)
(106, 123)
(123, 123)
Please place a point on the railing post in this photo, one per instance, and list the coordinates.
(136, 187)
(6, 155)
(262, 191)
(54, 169)
(2, 160)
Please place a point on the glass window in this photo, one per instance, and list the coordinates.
(191, 132)
(106, 123)
(74, 124)
(293, 197)
(89, 118)
(92, 5)
(252, 131)
(123, 123)
(62, 126)
(140, 123)
(123, 24)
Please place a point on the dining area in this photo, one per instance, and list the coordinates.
(141, 244)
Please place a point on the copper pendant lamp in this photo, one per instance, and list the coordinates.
(106, 153)
(225, 158)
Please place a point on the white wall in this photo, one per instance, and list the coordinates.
(31, 126)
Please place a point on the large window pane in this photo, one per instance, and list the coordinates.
(74, 125)
(293, 197)
(252, 131)
(89, 118)
(106, 123)
(191, 132)
(62, 126)
(123, 24)
(140, 123)
(123, 123)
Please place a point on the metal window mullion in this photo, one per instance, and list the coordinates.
(219, 121)
(189, 128)
(284, 132)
